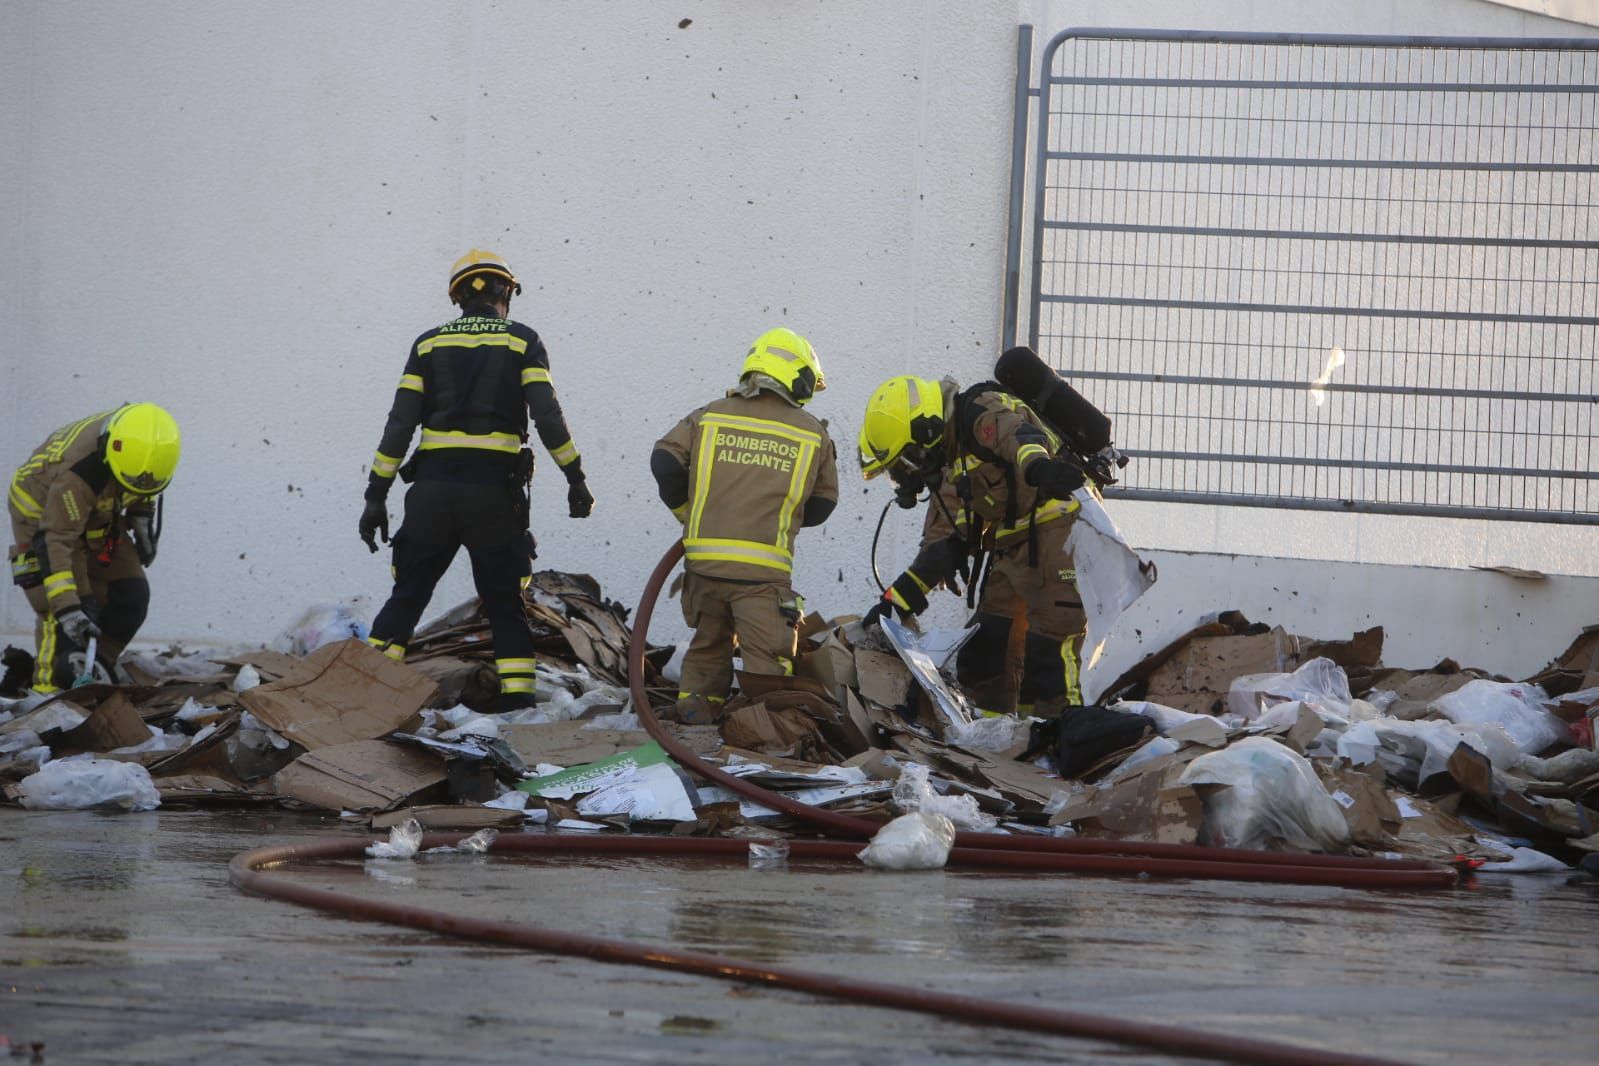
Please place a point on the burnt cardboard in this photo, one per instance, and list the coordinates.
(341, 693)
(568, 743)
(1364, 649)
(362, 775)
(832, 664)
(1198, 676)
(1368, 810)
(460, 680)
(784, 731)
(112, 724)
(882, 677)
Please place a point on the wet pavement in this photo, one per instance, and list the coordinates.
(122, 941)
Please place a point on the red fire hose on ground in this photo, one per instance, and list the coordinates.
(248, 871)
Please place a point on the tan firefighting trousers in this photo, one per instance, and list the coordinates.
(728, 615)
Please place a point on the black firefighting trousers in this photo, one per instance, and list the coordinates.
(441, 517)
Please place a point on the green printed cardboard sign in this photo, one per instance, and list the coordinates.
(590, 777)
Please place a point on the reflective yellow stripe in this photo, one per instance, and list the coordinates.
(1068, 658)
(1027, 451)
(389, 648)
(764, 425)
(531, 374)
(713, 549)
(517, 684)
(966, 464)
(71, 500)
(565, 455)
(702, 477)
(914, 576)
(1047, 512)
(410, 381)
(472, 340)
(26, 505)
(384, 465)
(433, 439)
(515, 666)
(44, 669)
(796, 487)
(897, 600)
(680, 512)
(707, 699)
(59, 584)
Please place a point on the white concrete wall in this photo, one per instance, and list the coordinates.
(246, 212)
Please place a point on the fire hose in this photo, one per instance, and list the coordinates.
(248, 871)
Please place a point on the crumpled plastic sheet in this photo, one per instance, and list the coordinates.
(404, 840)
(1412, 752)
(1517, 708)
(325, 623)
(1520, 860)
(157, 742)
(1320, 681)
(772, 855)
(625, 720)
(998, 733)
(920, 840)
(247, 678)
(1146, 753)
(80, 783)
(476, 844)
(1272, 798)
(1201, 728)
(914, 791)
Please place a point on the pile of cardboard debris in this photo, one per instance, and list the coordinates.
(1251, 737)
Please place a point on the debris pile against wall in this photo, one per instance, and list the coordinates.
(1236, 735)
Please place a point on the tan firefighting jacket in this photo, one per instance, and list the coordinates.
(66, 492)
(752, 465)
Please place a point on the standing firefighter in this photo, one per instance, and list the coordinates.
(1002, 479)
(84, 519)
(743, 474)
(470, 384)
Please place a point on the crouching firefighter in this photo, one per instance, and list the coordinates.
(85, 521)
(743, 475)
(1001, 477)
(470, 384)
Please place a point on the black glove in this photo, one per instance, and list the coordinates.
(878, 612)
(375, 519)
(1057, 479)
(143, 529)
(77, 626)
(579, 500)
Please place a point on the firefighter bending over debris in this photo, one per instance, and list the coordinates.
(470, 384)
(1002, 479)
(85, 522)
(743, 474)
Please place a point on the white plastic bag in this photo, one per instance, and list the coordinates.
(1272, 798)
(1525, 861)
(247, 678)
(1148, 752)
(1518, 709)
(916, 841)
(1320, 681)
(914, 791)
(404, 840)
(1179, 725)
(326, 623)
(78, 784)
(998, 733)
(768, 855)
(1412, 752)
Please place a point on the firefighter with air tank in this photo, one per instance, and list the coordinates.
(1002, 475)
(744, 474)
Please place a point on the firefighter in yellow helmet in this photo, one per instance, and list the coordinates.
(744, 474)
(471, 385)
(1000, 485)
(84, 522)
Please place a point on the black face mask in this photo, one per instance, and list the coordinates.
(917, 468)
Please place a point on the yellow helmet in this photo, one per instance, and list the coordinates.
(141, 447)
(904, 419)
(477, 263)
(787, 358)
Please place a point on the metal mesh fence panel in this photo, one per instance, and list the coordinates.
(1335, 273)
